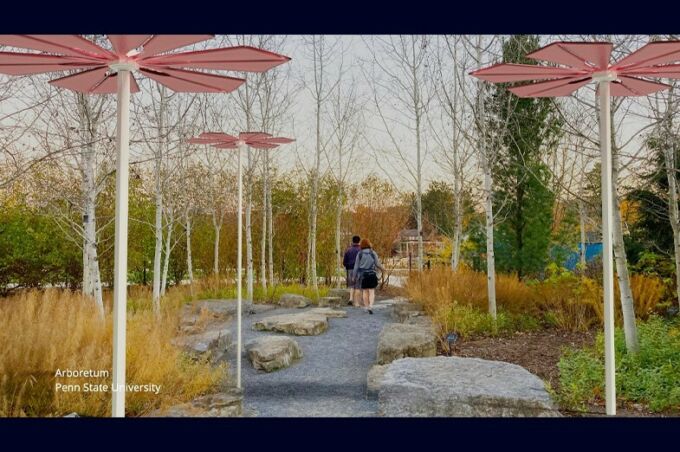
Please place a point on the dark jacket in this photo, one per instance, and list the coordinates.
(350, 256)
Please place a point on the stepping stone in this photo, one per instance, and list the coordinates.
(462, 387)
(374, 379)
(270, 353)
(213, 343)
(342, 293)
(219, 309)
(329, 312)
(422, 321)
(302, 324)
(290, 300)
(223, 404)
(331, 302)
(404, 311)
(398, 340)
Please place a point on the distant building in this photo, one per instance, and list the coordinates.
(406, 243)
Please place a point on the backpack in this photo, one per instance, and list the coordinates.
(369, 279)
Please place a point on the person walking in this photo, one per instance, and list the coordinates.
(365, 275)
(348, 262)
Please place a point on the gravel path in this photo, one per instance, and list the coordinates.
(330, 380)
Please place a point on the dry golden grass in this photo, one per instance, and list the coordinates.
(469, 288)
(42, 331)
(457, 301)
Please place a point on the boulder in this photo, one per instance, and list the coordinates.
(342, 293)
(422, 321)
(398, 340)
(329, 312)
(462, 387)
(270, 353)
(224, 404)
(257, 308)
(218, 309)
(404, 311)
(302, 324)
(213, 343)
(374, 379)
(333, 302)
(291, 300)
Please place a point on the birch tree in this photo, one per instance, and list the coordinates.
(346, 118)
(320, 51)
(402, 91)
(455, 153)
(77, 124)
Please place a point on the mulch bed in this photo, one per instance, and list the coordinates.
(539, 352)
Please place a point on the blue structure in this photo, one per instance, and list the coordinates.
(593, 250)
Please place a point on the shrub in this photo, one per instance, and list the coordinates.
(651, 376)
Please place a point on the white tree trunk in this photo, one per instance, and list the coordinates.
(627, 302)
(168, 249)
(158, 226)
(457, 236)
(263, 235)
(457, 212)
(419, 173)
(91, 278)
(338, 232)
(313, 280)
(487, 160)
(217, 225)
(490, 255)
(582, 228)
(270, 229)
(190, 263)
(158, 247)
(674, 215)
(249, 230)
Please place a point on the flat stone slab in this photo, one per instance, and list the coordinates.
(212, 343)
(257, 308)
(329, 312)
(331, 302)
(221, 309)
(422, 321)
(342, 293)
(298, 324)
(404, 311)
(291, 300)
(462, 387)
(224, 404)
(374, 379)
(398, 340)
(270, 353)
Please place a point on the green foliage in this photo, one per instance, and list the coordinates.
(650, 376)
(522, 129)
(651, 232)
(34, 251)
(438, 207)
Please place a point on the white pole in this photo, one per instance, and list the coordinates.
(120, 245)
(239, 258)
(607, 255)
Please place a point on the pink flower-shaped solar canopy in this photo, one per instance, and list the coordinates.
(148, 54)
(96, 71)
(257, 140)
(578, 64)
(582, 62)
